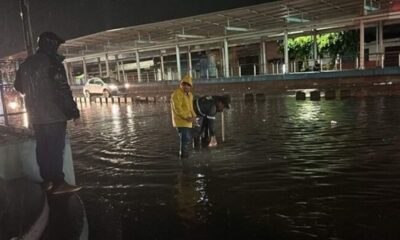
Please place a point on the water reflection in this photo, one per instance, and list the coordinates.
(283, 172)
(308, 111)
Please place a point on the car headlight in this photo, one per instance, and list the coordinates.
(113, 87)
(127, 85)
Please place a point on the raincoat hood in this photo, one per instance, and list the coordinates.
(187, 79)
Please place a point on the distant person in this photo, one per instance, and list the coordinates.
(50, 105)
(317, 66)
(183, 114)
(206, 109)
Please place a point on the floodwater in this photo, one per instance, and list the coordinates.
(287, 170)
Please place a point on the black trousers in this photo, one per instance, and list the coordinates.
(50, 144)
(201, 135)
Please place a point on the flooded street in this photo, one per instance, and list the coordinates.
(287, 170)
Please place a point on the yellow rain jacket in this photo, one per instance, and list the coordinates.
(182, 106)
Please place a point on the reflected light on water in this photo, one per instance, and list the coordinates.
(116, 119)
(309, 111)
(129, 112)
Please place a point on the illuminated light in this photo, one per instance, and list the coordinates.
(292, 19)
(309, 111)
(295, 32)
(189, 36)
(146, 42)
(237, 29)
(127, 85)
(13, 105)
(115, 30)
(113, 87)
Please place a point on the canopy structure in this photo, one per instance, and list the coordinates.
(223, 30)
(268, 21)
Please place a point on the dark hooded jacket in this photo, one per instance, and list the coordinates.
(48, 96)
(206, 107)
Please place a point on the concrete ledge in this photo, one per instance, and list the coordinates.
(25, 212)
(18, 159)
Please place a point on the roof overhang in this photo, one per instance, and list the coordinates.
(265, 21)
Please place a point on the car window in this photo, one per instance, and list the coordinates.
(91, 81)
(98, 82)
(110, 80)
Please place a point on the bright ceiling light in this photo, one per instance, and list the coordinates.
(189, 36)
(237, 29)
(293, 19)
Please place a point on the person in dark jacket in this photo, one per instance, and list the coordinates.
(49, 103)
(206, 108)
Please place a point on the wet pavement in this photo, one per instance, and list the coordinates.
(287, 170)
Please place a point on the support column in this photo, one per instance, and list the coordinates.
(362, 57)
(138, 66)
(67, 72)
(263, 57)
(84, 70)
(178, 62)
(123, 71)
(381, 45)
(315, 46)
(17, 64)
(3, 102)
(226, 58)
(99, 65)
(117, 68)
(285, 70)
(223, 63)
(162, 67)
(107, 66)
(190, 61)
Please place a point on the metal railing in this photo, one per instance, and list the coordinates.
(340, 63)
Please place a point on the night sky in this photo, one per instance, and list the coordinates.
(74, 18)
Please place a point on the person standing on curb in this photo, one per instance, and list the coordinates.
(183, 114)
(206, 108)
(49, 103)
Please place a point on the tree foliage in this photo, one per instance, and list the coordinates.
(329, 45)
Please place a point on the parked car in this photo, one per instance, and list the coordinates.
(104, 86)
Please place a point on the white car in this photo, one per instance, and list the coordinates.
(104, 86)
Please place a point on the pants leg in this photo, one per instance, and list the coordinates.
(50, 144)
(185, 137)
(196, 133)
(205, 136)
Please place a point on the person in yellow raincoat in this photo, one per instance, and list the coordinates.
(183, 114)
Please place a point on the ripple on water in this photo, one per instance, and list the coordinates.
(283, 172)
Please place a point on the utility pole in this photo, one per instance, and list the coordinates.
(26, 25)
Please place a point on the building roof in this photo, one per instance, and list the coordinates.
(247, 24)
